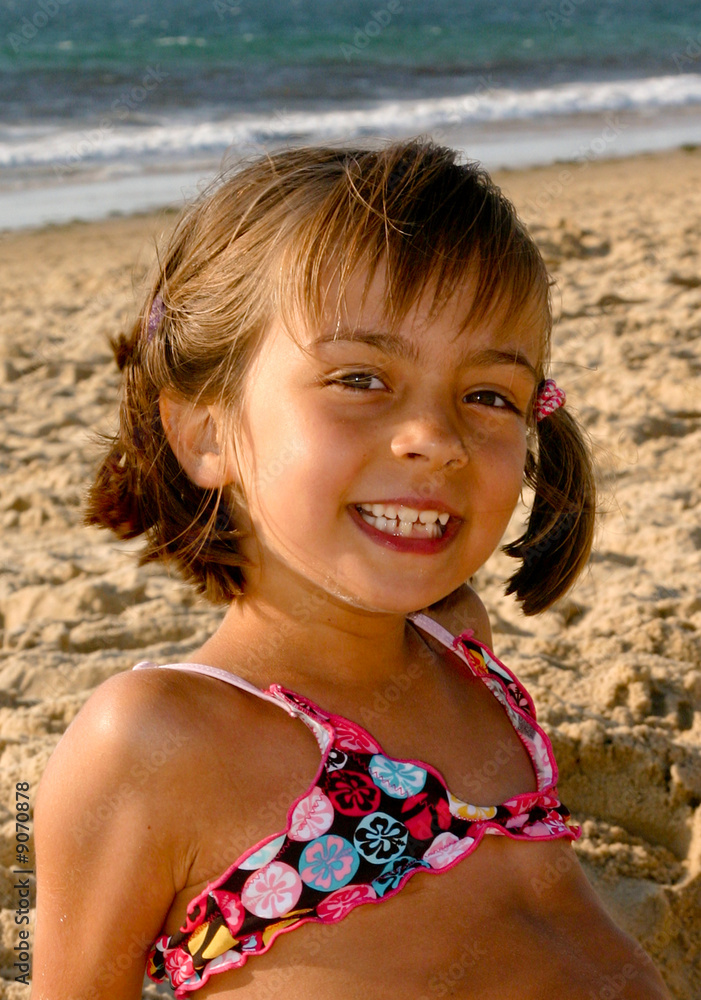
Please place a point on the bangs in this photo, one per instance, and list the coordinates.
(433, 223)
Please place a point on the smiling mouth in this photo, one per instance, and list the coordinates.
(405, 522)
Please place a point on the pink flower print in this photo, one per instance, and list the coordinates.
(516, 822)
(424, 817)
(229, 960)
(353, 793)
(341, 902)
(519, 697)
(179, 966)
(328, 863)
(272, 891)
(544, 828)
(350, 737)
(230, 906)
(542, 760)
(523, 803)
(311, 817)
(446, 848)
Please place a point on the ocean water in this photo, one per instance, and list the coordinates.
(134, 102)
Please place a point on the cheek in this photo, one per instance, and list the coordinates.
(301, 467)
(501, 459)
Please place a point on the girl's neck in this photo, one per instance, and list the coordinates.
(317, 642)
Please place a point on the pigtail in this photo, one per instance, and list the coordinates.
(558, 537)
(113, 498)
(140, 489)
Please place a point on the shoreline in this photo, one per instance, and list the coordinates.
(535, 189)
(33, 197)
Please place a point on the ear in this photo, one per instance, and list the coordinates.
(195, 433)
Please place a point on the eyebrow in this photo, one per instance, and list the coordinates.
(399, 347)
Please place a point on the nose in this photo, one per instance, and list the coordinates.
(431, 440)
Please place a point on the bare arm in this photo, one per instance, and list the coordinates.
(106, 860)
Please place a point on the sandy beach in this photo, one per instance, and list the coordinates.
(614, 668)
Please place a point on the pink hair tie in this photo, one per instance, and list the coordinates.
(155, 316)
(550, 398)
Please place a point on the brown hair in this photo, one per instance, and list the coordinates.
(259, 245)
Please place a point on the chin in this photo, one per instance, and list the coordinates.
(383, 601)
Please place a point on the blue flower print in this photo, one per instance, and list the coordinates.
(380, 838)
(393, 873)
(328, 863)
(396, 778)
(263, 855)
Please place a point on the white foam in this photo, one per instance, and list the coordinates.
(67, 148)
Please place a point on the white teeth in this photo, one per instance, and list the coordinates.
(407, 529)
(428, 516)
(408, 514)
(397, 519)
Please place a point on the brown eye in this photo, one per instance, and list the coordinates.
(492, 400)
(487, 397)
(358, 381)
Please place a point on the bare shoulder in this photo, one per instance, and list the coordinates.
(124, 717)
(109, 833)
(461, 610)
(104, 828)
(115, 764)
(140, 730)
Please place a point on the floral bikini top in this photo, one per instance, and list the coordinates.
(367, 824)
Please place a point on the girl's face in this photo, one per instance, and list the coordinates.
(383, 466)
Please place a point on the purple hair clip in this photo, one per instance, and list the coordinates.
(155, 316)
(550, 398)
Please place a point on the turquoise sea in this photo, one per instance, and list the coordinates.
(121, 104)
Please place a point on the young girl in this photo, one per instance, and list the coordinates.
(332, 399)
